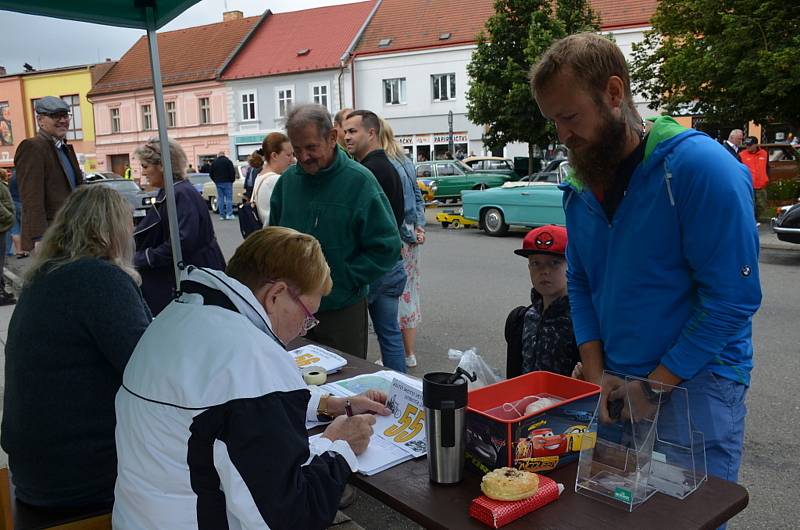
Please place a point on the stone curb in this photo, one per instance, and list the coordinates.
(778, 246)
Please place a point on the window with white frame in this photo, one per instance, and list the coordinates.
(205, 110)
(394, 91)
(319, 94)
(172, 114)
(114, 113)
(147, 117)
(75, 131)
(248, 106)
(284, 101)
(444, 87)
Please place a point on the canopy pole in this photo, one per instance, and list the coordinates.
(166, 159)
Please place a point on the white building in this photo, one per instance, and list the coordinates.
(291, 58)
(410, 67)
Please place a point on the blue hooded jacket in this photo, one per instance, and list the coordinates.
(673, 279)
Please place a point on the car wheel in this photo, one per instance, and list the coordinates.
(214, 206)
(445, 224)
(493, 222)
(482, 186)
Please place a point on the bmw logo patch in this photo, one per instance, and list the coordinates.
(746, 271)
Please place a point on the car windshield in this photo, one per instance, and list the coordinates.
(121, 185)
(491, 163)
(199, 178)
(465, 168)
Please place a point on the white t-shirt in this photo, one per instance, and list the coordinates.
(262, 192)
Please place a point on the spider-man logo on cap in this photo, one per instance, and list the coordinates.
(550, 239)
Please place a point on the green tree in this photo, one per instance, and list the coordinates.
(515, 37)
(729, 60)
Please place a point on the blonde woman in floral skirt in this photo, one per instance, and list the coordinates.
(412, 232)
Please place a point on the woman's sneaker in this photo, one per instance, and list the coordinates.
(411, 360)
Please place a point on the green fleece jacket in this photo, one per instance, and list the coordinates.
(344, 207)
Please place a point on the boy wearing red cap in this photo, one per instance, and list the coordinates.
(540, 336)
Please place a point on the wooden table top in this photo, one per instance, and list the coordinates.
(407, 489)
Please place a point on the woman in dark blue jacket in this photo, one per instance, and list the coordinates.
(153, 257)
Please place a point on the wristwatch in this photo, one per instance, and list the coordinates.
(655, 395)
(322, 408)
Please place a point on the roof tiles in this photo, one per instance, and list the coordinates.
(625, 13)
(186, 55)
(414, 24)
(278, 45)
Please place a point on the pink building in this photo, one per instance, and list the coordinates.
(191, 59)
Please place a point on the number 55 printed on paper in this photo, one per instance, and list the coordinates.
(405, 428)
(411, 423)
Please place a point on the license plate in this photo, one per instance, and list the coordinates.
(139, 213)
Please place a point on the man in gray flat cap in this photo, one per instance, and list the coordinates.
(47, 169)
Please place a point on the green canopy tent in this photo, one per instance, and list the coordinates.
(149, 15)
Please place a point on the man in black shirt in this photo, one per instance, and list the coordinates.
(362, 138)
(223, 174)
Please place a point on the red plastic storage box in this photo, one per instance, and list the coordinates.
(550, 434)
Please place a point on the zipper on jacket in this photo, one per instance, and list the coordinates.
(668, 179)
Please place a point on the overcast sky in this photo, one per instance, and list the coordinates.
(49, 43)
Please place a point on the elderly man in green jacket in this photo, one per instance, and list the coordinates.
(339, 202)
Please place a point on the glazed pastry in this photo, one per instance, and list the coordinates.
(509, 484)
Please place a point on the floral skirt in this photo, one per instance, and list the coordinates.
(409, 313)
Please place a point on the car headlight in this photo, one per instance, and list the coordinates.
(148, 201)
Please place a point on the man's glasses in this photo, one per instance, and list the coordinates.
(310, 320)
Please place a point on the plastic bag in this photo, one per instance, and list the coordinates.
(471, 362)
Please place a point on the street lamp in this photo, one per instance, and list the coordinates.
(450, 127)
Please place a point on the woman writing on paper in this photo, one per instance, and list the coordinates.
(211, 418)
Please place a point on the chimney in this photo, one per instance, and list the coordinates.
(232, 15)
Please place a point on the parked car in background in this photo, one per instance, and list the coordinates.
(786, 224)
(555, 171)
(198, 180)
(453, 176)
(492, 164)
(140, 200)
(526, 204)
(210, 193)
(100, 175)
(783, 160)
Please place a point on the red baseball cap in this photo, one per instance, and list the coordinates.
(549, 239)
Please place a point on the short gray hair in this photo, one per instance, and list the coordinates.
(150, 154)
(303, 115)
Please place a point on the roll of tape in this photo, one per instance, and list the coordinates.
(314, 375)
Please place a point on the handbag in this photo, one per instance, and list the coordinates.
(249, 221)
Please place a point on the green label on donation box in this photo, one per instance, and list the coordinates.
(622, 494)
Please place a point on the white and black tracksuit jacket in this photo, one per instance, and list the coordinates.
(211, 422)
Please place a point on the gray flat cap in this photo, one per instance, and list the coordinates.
(51, 105)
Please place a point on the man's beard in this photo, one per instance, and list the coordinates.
(596, 164)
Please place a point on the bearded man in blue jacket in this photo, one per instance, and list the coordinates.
(663, 251)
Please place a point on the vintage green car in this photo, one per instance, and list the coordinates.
(517, 203)
(453, 176)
